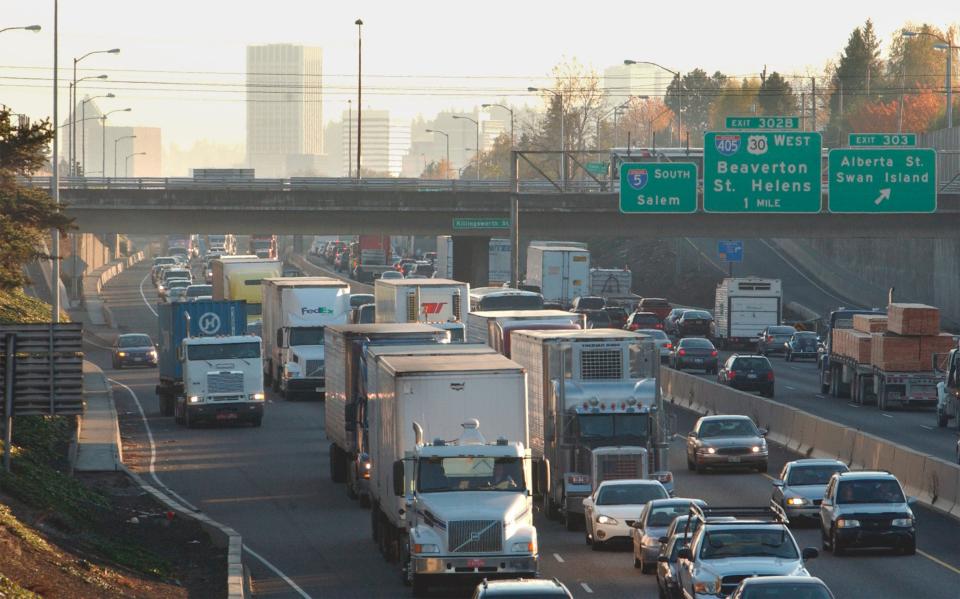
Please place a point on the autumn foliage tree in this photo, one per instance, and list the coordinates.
(26, 214)
(920, 111)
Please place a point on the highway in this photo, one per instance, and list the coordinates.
(305, 538)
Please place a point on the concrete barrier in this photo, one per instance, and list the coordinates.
(934, 482)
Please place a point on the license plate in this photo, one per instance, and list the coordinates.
(138, 359)
(734, 459)
(227, 416)
(698, 360)
(475, 563)
(751, 376)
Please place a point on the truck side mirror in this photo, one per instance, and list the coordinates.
(543, 477)
(398, 478)
(280, 338)
(685, 553)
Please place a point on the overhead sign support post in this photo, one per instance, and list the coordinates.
(730, 252)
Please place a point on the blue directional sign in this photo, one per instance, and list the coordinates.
(730, 251)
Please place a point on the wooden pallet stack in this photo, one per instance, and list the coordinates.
(911, 338)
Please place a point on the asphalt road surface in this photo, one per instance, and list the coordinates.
(304, 538)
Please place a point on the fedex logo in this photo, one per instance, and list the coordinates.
(429, 308)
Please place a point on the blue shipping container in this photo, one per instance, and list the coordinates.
(207, 319)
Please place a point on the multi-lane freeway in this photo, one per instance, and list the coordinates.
(304, 537)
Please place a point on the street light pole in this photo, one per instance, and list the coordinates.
(73, 104)
(55, 179)
(33, 28)
(349, 137)
(679, 90)
(563, 137)
(446, 174)
(83, 129)
(115, 142)
(477, 123)
(126, 162)
(510, 110)
(359, 24)
(103, 142)
(948, 45)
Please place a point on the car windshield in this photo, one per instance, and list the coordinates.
(655, 333)
(664, 515)
(226, 351)
(367, 314)
(718, 544)
(163, 261)
(598, 318)
(629, 494)
(678, 544)
(439, 475)
(198, 290)
(751, 364)
(805, 338)
(176, 274)
(697, 314)
(727, 428)
(813, 475)
(781, 330)
(591, 303)
(359, 299)
(134, 341)
(651, 302)
(613, 425)
(306, 336)
(786, 590)
(175, 283)
(695, 343)
(870, 491)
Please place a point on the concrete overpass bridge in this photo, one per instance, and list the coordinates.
(428, 207)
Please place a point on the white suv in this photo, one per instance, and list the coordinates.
(724, 552)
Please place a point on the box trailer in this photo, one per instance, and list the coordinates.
(442, 303)
(494, 328)
(560, 271)
(743, 307)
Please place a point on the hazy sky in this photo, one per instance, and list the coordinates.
(461, 53)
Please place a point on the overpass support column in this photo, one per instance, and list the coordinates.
(471, 260)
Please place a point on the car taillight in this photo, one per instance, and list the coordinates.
(732, 374)
(682, 352)
(714, 353)
(769, 338)
(669, 345)
(770, 376)
(658, 326)
(634, 327)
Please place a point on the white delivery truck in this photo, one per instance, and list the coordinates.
(345, 417)
(587, 390)
(498, 265)
(445, 502)
(295, 312)
(494, 328)
(442, 303)
(560, 270)
(743, 307)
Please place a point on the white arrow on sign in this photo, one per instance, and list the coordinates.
(884, 195)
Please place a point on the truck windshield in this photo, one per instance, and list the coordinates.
(306, 336)
(226, 351)
(594, 426)
(495, 303)
(439, 475)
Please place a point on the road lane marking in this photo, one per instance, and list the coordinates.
(853, 405)
(153, 474)
(929, 428)
(885, 414)
(142, 281)
(586, 587)
(939, 562)
(557, 557)
(819, 396)
(791, 388)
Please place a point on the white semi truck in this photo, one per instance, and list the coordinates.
(446, 503)
(345, 414)
(494, 328)
(559, 269)
(743, 307)
(442, 303)
(588, 390)
(295, 312)
(498, 265)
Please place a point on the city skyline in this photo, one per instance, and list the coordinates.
(188, 76)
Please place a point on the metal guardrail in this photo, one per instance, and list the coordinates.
(311, 184)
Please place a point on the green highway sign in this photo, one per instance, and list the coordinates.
(902, 140)
(762, 171)
(763, 122)
(658, 187)
(883, 180)
(461, 224)
(596, 168)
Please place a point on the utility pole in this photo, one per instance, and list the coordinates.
(813, 102)
(359, 24)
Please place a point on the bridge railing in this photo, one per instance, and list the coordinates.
(313, 184)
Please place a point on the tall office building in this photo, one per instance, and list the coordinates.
(386, 141)
(622, 81)
(284, 109)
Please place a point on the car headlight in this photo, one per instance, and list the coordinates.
(194, 399)
(709, 587)
(257, 396)
(796, 501)
(606, 520)
(122, 354)
(848, 523)
(152, 353)
(425, 548)
(755, 449)
(526, 547)
(902, 522)
(710, 450)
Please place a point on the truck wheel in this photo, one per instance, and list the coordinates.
(882, 396)
(572, 521)
(420, 586)
(257, 421)
(337, 470)
(186, 418)
(351, 481)
(364, 500)
(942, 419)
(375, 524)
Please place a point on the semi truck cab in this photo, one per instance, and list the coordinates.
(222, 380)
(469, 509)
(302, 355)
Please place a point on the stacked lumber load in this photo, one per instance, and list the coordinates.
(870, 323)
(911, 338)
(852, 344)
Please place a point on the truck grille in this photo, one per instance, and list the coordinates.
(615, 467)
(313, 369)
(475, 536)
(601, 364)
(225, 382)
